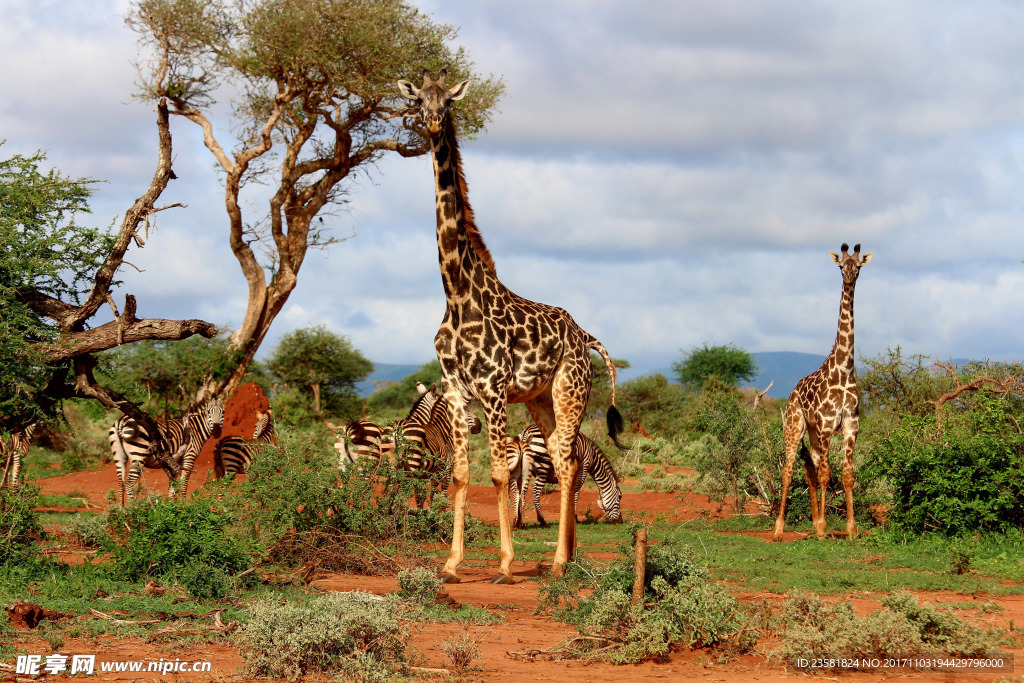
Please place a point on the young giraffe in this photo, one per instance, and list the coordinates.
(822, 403)
(499, 347)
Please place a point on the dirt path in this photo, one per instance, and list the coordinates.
(523, 630)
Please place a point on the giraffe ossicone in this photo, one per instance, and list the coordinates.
(823, 403)
(498, 347)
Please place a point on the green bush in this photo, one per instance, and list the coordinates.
(660, 407)
(968, 478)
(155, 537)
(345, 634)
(20, 530)
(89, 530)
(681, 607)
(299, 505)
(814, 630)
(419, 585)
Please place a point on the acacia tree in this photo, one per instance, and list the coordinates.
(728, 363)
(55, 275)
(320, 361)
(313, 99)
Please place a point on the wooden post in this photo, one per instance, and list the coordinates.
(639, 567)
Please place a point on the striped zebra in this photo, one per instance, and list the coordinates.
(430, 448)
(131, 447)
(14, 450)
(528, 458)
(233, 454)
(362, 438)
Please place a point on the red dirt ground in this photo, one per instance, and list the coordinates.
(522, 629)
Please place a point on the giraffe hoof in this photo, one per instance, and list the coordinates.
(448, 577)
(503, 580)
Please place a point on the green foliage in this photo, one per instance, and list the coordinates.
(814, 629)
(193, 538)
(655, 404)
(299, 505)
(324, 364)
(402, 394)
(966, 479)
(168, 374)
(681, 607)
(419, 585)
(345, 634)
(898, 385)
(20, 529)
(88, 530)
(43, 251)
(728, 363)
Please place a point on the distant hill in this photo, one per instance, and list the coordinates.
(385, 372)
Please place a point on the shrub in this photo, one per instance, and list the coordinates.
(20, 529)
(814, 630)
(300, 506)
(338, 633)
(966, 479)
(681, 607)
(88, 530)
(462, 651)
(420, 585)
(172, 536)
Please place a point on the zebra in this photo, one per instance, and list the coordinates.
(234, 454)
(364, 438)
(131, 447)
(430, 447)
(14, 451)
(528, 458)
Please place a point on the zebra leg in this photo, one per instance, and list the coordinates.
(538, 488)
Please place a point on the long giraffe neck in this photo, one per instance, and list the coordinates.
(460, 248)
(842, 350)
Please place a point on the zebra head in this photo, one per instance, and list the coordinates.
(214, 416)
(608, 503)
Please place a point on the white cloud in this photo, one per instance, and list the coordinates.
(670, 173)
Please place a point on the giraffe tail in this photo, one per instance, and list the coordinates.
(614, 418)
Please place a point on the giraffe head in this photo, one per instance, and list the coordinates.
(434, 98)
(849, 263)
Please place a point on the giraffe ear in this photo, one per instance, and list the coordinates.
(835, 258)
(865, 258)
(408, 90)
(459, 91)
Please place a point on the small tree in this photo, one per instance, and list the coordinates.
(55, 275)
(167, 375)
(314, 100)
(728, 363)
(321, 362)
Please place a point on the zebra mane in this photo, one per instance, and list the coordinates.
(428, 399)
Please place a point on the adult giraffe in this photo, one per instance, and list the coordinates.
(499, 347)
(822, 403)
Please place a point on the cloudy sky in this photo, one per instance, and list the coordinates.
(672, 173)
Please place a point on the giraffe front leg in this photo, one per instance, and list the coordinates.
(460, 482)
(497, 420)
